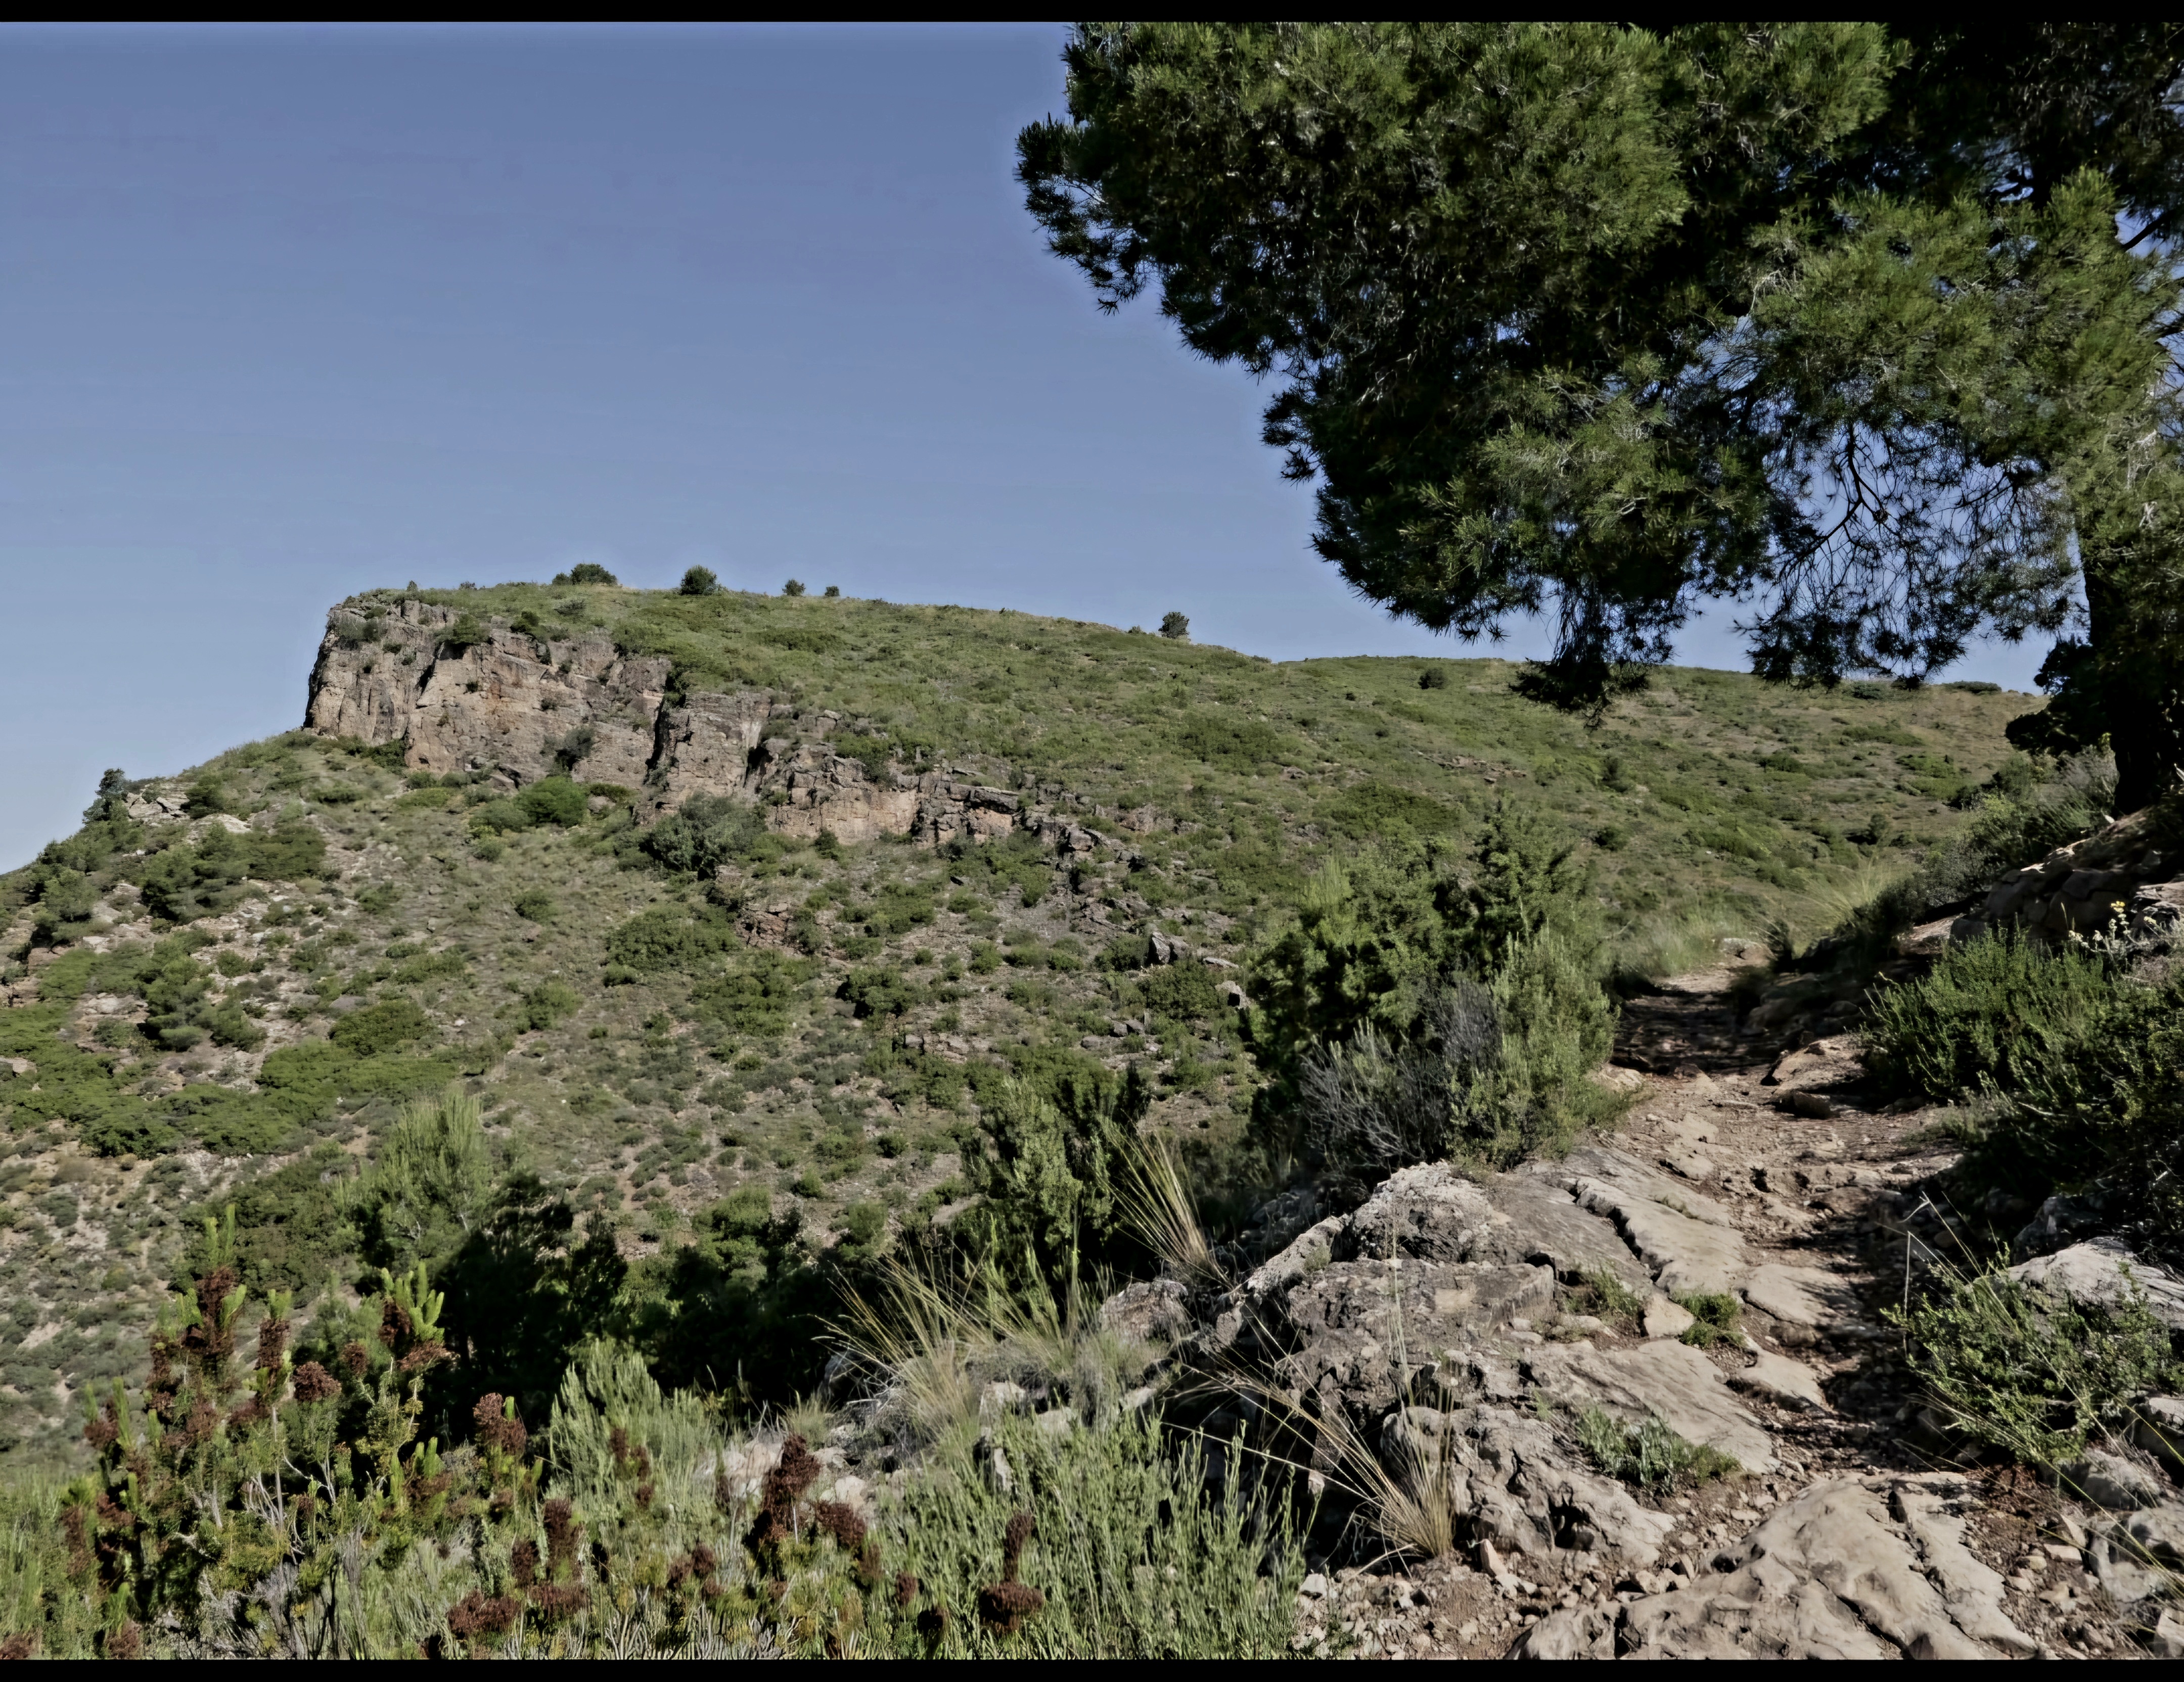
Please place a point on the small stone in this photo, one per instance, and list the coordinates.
(1812, 1106)
(1315, 1585)
(2109, 1480)
(1668, 1319)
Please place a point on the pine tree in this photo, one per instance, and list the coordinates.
(1865, 330)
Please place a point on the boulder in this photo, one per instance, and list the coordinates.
(2159, 1428)
(1780, 1378)
(1154, 1310)
(1431, 1212)
(1515, 1487)
(2111, 1481)
(1366, 1331)
(2139, 1555)
(2105, 1274)
(1537, 1220)
(1668, 1318)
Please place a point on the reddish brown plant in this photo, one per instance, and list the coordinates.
(314, 1383)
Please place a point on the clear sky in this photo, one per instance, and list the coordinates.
(286, 315)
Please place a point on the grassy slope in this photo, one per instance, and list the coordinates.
(1224, 778)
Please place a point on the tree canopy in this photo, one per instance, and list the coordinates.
(1863, 329)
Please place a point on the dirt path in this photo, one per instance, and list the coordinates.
(1825, 1188)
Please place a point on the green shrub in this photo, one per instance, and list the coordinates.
(1716, 1316)
(2032, 1374)
(205, 797)
(671, 937)
(586, 572)
(881, 990)
(758, 998)
(1221, 739)
(1649, 1454)
(467, 631)
(553, 800)
(380, 1027)
(700, 581)
(535, 905)
(547, 1005)
(706, 832)
(1986, 1015)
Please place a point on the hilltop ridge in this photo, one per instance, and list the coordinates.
(739, 896)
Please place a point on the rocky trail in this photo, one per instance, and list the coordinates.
(1445, 1328)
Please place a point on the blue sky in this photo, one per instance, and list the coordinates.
(291, 313)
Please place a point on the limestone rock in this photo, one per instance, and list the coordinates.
(1517, 1488)
(2140, 1555)
(1431, 1212)
(2104, 1272)
(1671, 1379)
(1359, 1330)
(1154, 1309)
(2109, 1480)
(2159, 1428)
(1801, 1296)
(1846, 1570)
(1667, 1318)
(1537, 1220)
(1780, 1378)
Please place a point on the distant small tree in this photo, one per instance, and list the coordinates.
(700, 581)
(795, 586)
(586, 572)
(833, 592)
(1175, 627)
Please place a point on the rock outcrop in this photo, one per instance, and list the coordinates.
(463, 695)
(1417, 1319)
(1854, 1568)
(2081, 888)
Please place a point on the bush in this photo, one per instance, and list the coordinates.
(1986, 1016)
(586, 572)
(700, 581)
(758, 997)
(1175, 627)
(1184, 991)
(1649, 1454)
(2032, 1374)
(1716, 1316)
(1434, 677)
(1407, 1015)
(380, 1027)
(671, 937)
(535, 905)
(547, 1005)
(553, 800)
(795, 586)
(705, 833)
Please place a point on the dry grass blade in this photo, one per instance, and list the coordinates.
(927, 1338)
(1157, 1205)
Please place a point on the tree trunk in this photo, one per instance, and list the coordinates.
(2136, 655)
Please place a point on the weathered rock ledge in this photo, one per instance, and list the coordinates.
(524, 705)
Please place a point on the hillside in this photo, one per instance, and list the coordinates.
(706, 892)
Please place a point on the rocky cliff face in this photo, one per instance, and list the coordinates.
(463, 695)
